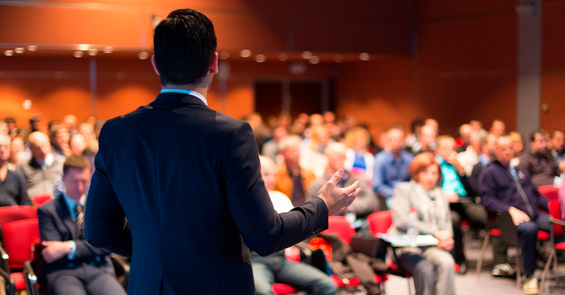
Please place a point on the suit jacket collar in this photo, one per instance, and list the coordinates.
(63, 212)
(177, 98)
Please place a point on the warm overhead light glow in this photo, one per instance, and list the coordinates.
(108, 49)
(32, 47)
(314, 60)
(306, 55)
(260, 58)
(245, 53)
(143, 55)
(283, 56)
(19, 50)
(8, 52)
(83, 47)
(92, 51)
(27, 104)
(338, 58)
(224, 55)
(364, 56)
(78, 54)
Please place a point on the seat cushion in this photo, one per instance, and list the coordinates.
(18, 280)
(560, 246)
(281, 289)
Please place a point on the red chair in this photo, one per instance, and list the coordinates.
(19, 236)
(40, 199)
(550, 192)
(556, 232)
(13, 213)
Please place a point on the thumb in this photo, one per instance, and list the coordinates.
(336, 177)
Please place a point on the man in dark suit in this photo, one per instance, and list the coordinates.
(188, 180)
(72, 265)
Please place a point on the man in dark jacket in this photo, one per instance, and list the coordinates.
(539, 163)
(506, 188)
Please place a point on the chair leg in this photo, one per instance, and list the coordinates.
(546, 270)
(519, 268)
(482, 255)
(409, 288)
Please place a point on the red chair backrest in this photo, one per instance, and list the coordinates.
(41, 199)
(14, 213)
(340, 226)
(18, 237)
(550, 192)
(380, 222)
(555, 212)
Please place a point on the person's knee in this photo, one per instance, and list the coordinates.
(423, 268)
(527, 229)
(445, 262)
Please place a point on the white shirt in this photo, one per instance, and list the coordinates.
(280, 201)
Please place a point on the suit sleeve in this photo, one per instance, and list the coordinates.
(105, 223)
(263, 230)
(487, 191)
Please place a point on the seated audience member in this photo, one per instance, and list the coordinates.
(87, 131)
(470, 156)
(13, 191)
(292, 180)
(498, 127)
(4, 128)
(42, 171)
(517, 143)
(539, 163)
(12, 126)
(477, 127)
(77, 144)
(312, 156)
(456, 187)
(366, 201)
(465, 133)
(60, 138)
(558, 148)
(359, 161)
(72, 265)
(35, 124)
(431, 267)
(412, 138)
(70, 122)
(17, 152)
(391, 165)
(271, 147)
(507, 188)
(275, 267)
(426, 140)
(486, 147)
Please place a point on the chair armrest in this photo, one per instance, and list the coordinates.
(4, 256)
(10, 284)
(30, 279)
(557, 221)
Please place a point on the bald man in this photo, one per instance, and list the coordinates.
(44, 169)
(13, 191)
(366, 202)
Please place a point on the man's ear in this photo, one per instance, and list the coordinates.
(154, 65)
(214, 64)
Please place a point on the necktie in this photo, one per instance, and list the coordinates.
(79, 233)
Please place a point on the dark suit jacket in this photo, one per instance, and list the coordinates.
(57, 224)
(188, 180)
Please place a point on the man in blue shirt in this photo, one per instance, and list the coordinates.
(391, 165)
(460, 195)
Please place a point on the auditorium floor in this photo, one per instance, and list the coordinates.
(485, 284)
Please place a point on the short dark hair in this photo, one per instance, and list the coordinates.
(76, 162)
(184, 44)
(537, 131)
(555, 131)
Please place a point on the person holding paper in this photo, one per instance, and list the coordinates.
(431, 267)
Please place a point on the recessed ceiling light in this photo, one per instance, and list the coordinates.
(92, 52)
(143, 55)
(32, 47)
(338, 58)
(306, 55)
(224, 55)
(314, 60)
(245, 53)
(364, 56)
(19, 50)
(78, 54)
(260, 58)
(283, 56)
(8, 52)
(83, 47)
(108, 49)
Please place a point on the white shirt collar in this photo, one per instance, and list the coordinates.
(193, 93)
